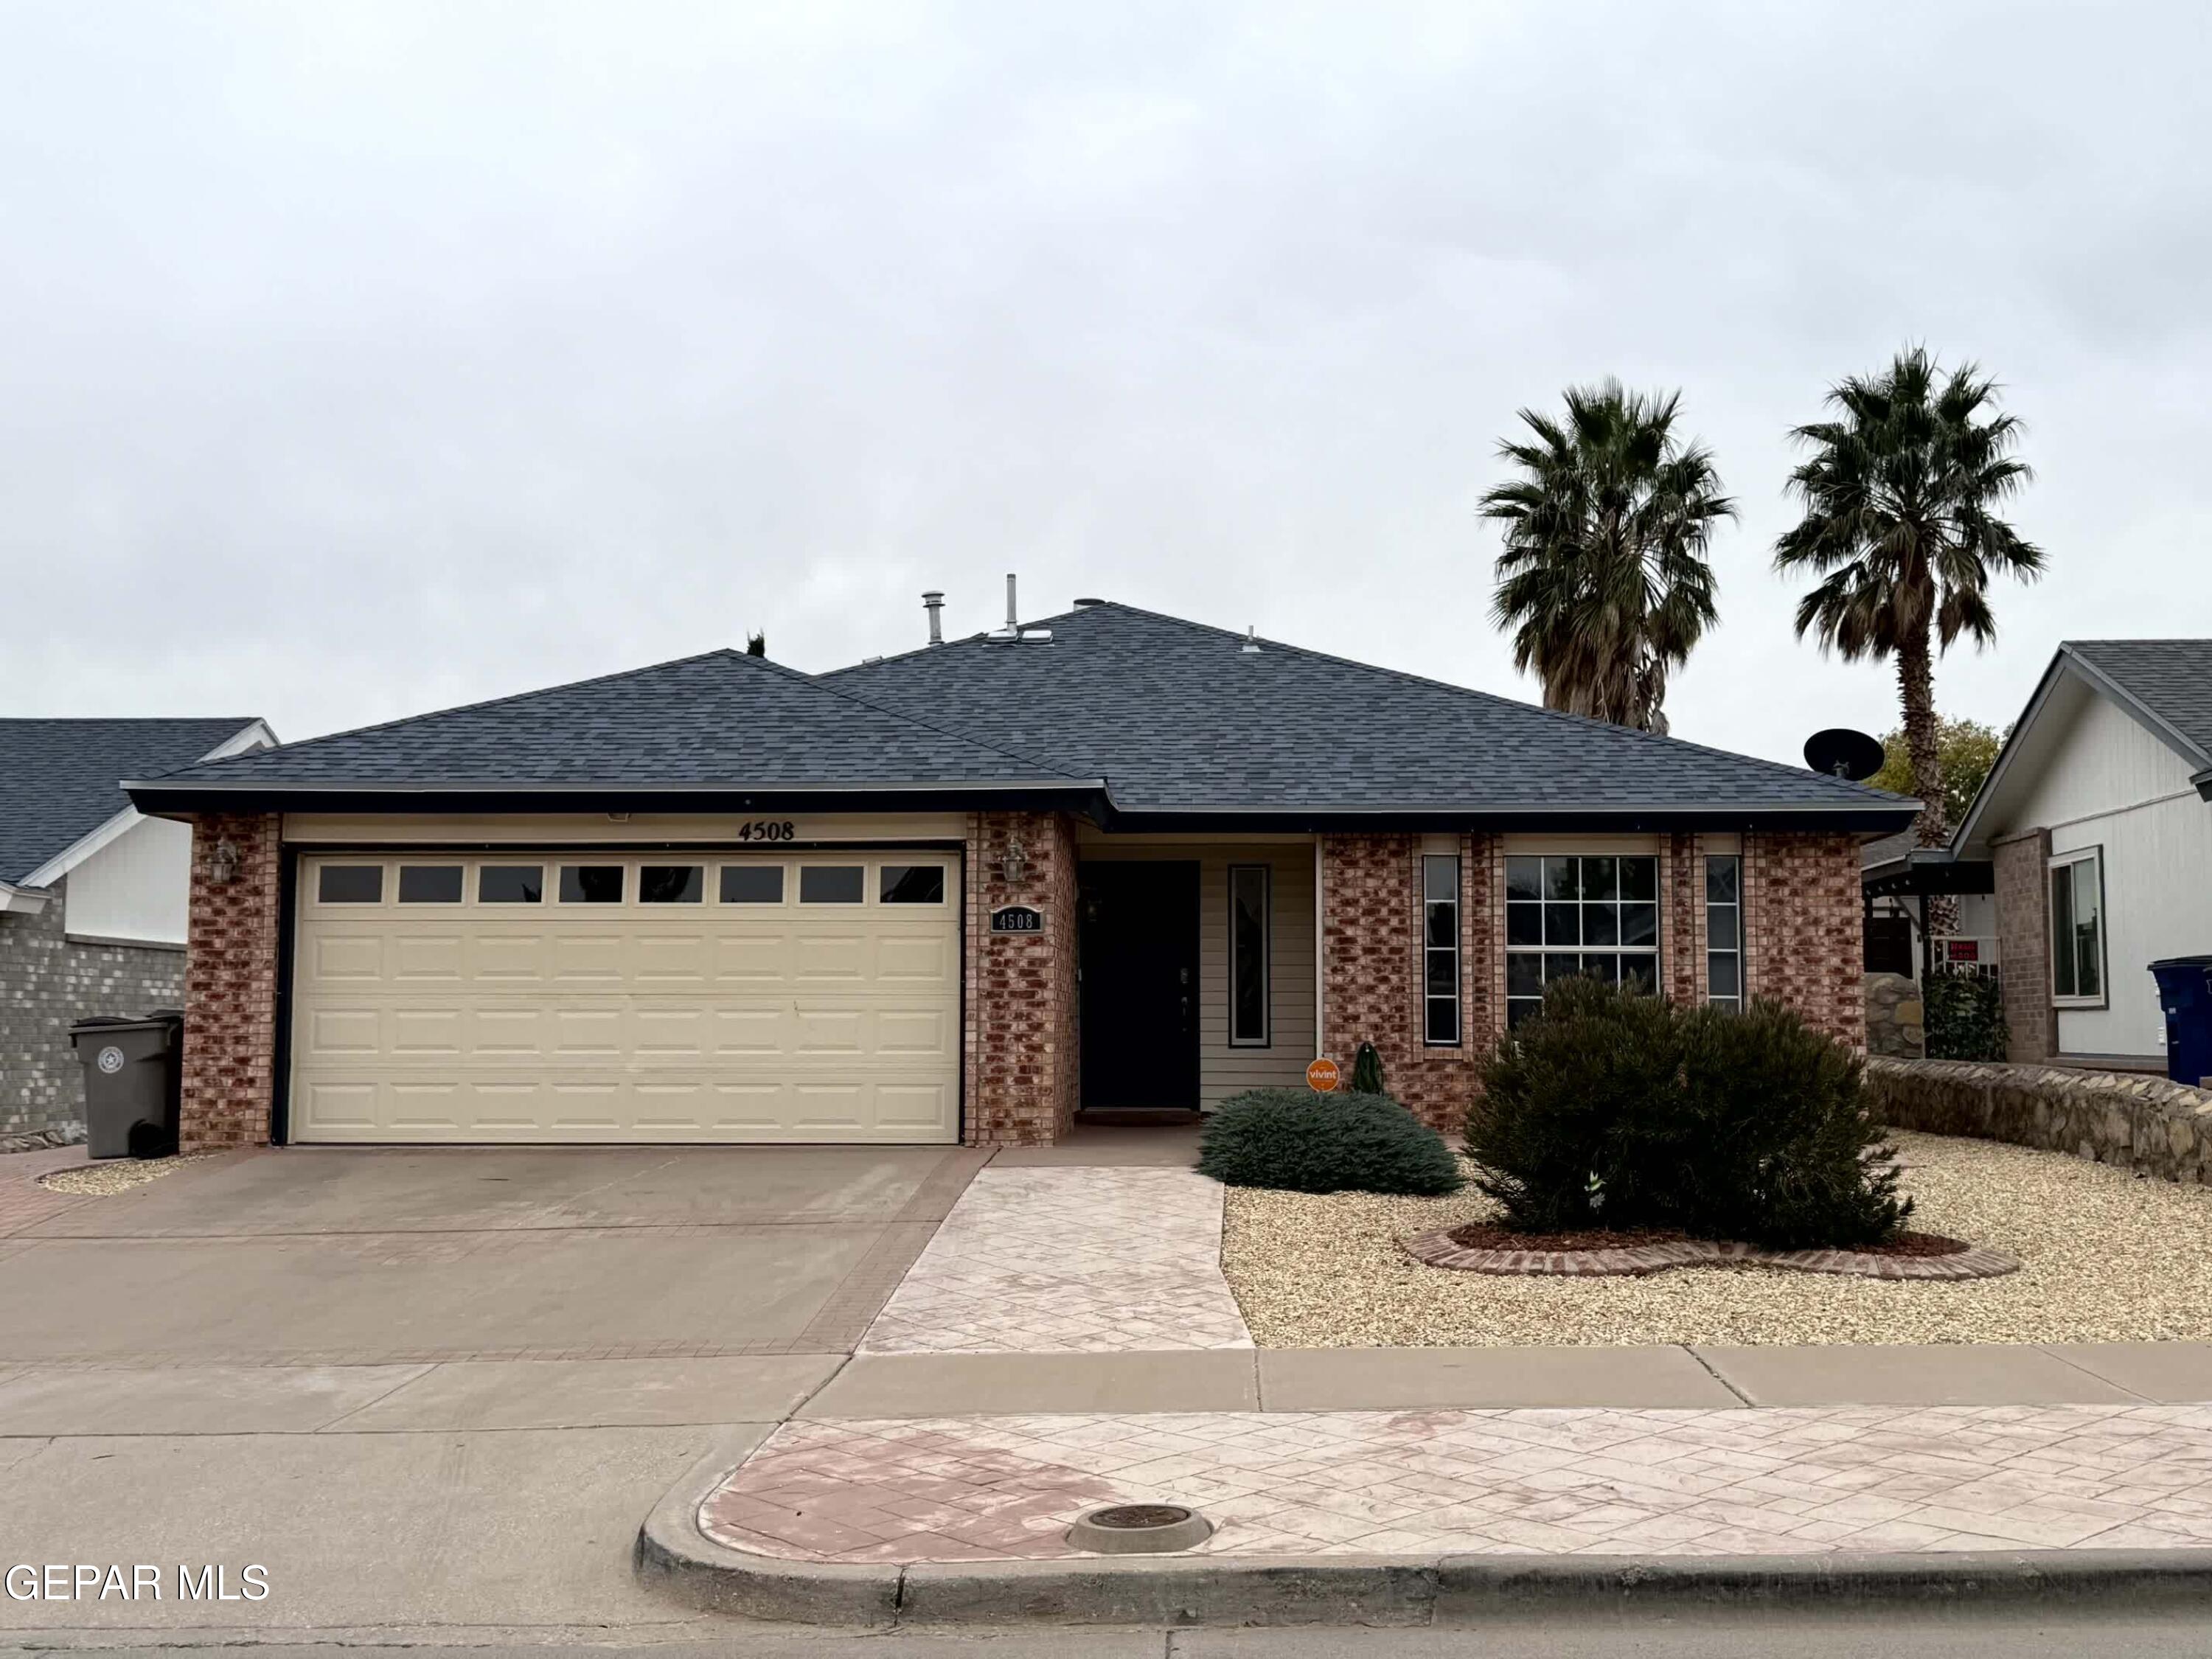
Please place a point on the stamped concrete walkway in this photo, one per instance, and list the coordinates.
(1069, 1261)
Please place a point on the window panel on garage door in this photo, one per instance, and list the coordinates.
(604, 997)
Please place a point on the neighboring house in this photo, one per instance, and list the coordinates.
(2096, 825)
(1114, 860)
(92, 895)
(1898, 876)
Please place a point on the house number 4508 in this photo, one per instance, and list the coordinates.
(766, 829)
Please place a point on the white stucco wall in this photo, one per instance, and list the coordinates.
(2111, 784)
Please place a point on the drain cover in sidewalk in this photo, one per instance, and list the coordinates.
(1140, 1529)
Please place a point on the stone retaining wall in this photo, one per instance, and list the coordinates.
(1896, 1017)
(2136, 1122)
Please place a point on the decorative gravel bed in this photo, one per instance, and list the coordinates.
(2106, 1258)
(115, 1175)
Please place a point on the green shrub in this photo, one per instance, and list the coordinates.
(1965, 1017)
(1300, 1141)
(1614, 1109)
(1367, 1071)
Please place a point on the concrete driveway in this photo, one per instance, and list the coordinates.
(324, 1256)
(425, 1387)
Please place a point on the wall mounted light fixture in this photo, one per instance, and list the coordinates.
(221, 861)
(1014, 865)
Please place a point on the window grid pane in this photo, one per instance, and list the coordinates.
(510, 883)
(1440, 1003)
(672, 884)
(752, 883)
(1566, 914)
(1248, 955)
(833, 883)
(1724, 930)
(349, 883)
(2062, 932)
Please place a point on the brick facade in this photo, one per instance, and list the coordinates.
(1803, 929)
(48, 981)
(2021, 867)
(1682, 913)
(1801, 947)
(230, 983)
(1020, 1063)
(1371, 911)
(1020, 1039)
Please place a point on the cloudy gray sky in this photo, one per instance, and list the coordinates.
(364, 358)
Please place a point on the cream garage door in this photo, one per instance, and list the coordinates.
(627, 996)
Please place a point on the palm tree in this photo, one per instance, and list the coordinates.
(1603, 579)
(1901, 494)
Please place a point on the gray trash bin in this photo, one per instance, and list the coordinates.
(132, 1072)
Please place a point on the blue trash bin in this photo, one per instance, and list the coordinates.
(2184, 991)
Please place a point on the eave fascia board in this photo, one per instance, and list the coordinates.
(83, 847)
(2144, 715)
(2202, 780)
(254, 734)
(1878, 817)
(21, 900)
(1970, 827)
(158, 798)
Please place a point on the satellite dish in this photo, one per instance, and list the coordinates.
(1843, 753)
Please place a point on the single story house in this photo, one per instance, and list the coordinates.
(92, 895)
(2094, 829)
(1109, 861)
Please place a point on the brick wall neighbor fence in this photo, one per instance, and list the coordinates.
(2136, 1122)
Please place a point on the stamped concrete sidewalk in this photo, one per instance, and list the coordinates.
(1618, 1483)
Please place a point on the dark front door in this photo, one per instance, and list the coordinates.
(1140, 961)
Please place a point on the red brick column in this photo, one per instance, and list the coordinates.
(1371, 966)
(1019, 1045)
(1682, 911)
(2023, 883)
(230, 983)
(1804, 934)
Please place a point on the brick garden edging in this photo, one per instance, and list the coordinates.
(1439, 1250)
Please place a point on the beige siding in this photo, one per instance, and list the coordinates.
(1224, 1070)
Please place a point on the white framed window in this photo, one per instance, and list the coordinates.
(1569, 913)
(1440, 1023)
(1250, 933)
(1724, 930)
(2077, 928)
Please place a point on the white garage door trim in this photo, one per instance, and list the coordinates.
(793, 997)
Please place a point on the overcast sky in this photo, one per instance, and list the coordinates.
(362, 359)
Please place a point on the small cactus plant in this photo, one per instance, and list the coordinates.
(1367, 1071)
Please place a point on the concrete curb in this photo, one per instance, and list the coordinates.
(673, 1555)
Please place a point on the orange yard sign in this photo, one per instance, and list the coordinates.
(1323, 1076)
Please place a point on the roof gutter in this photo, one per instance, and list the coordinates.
(1718, 816)
(22, 901)
(183, 798)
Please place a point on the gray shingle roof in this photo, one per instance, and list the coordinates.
(1174, 717)
(720, 719)
(61, 780)
(1178, 717)
(2171, 679)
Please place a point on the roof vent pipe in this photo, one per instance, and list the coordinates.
(1012, 621)
(1251, 646)
(934, 602)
